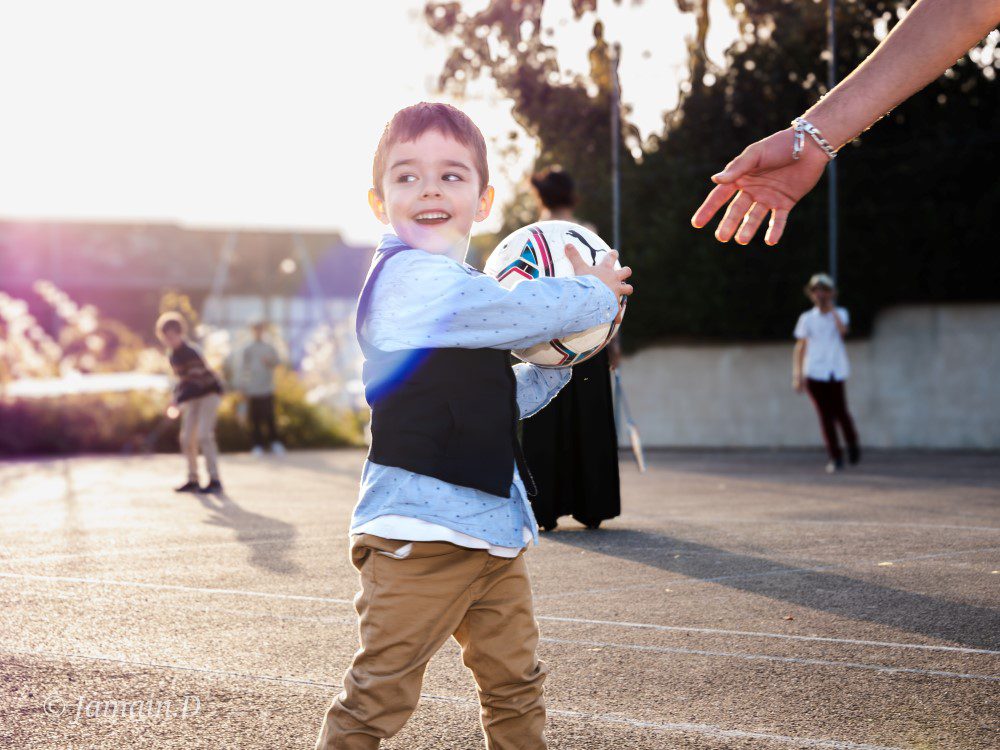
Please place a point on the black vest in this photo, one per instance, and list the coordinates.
(450, 413)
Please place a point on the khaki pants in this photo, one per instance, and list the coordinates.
(198, 418)
(408, 607)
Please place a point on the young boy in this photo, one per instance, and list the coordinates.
(443, 518)
(197, 394)
(820, 368)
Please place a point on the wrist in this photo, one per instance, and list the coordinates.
(804, 134)
(608, 303)
(828, 118)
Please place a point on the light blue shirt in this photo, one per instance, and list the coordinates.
(424, 300)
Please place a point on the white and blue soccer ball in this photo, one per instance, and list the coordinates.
(538, 250)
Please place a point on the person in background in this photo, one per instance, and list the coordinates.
(197, 394)
(571, 447)
(259, 360)
(820, 368)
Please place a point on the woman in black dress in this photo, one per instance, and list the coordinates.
(571, 446)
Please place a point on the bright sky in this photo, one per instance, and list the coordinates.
(242, 113)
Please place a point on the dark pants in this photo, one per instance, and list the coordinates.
(261, 417)
(572, 449)
(830, 399)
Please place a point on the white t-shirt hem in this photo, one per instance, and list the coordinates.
(410, 529)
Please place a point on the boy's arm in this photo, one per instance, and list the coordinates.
(429, 301)
(536, 386)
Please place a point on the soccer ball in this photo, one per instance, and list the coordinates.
(535, 251)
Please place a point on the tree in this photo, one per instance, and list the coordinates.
(925, 172)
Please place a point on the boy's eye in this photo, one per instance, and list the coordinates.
(406, 178)
(452, 177)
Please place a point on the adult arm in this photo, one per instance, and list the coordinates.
(840, 320)
(423, 300)
(273, 358)
(798, 360)
(537, 386)
(766, 180)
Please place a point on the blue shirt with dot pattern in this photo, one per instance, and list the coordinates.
(426, 300)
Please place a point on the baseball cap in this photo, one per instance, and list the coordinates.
(821, 279)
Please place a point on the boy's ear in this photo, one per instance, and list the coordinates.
(485, 203)
(378, 206)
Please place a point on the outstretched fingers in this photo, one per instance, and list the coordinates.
(776, 227)
(715, 200)
(734, 214)
(751, 223)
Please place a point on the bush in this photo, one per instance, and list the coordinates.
(136, 422)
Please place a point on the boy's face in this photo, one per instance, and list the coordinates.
(431, 194)
(173, 338)
(822, 296)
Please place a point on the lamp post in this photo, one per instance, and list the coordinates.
(831, 75)
(616, 207)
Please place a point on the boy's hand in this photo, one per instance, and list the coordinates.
(612, 277)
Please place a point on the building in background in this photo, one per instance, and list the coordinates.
(298, 281)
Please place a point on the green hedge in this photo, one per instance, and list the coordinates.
(135, 422)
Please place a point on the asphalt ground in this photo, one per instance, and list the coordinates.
(742, 600)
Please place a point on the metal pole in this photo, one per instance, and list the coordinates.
(615, 138)
(832, 167)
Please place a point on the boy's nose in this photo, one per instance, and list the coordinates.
(431, 188)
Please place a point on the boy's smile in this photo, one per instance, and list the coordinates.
(431, 195)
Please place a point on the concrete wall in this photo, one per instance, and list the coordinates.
(928, 378)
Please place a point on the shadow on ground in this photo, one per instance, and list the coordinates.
(977, 627)
(255, 527)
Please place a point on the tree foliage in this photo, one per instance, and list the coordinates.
(916, 200)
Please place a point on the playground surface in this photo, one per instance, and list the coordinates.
(742, 600)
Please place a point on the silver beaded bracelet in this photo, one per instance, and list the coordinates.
(803, 126)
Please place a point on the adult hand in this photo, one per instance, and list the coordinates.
(613, 278)
(765, 180)
(798, 384)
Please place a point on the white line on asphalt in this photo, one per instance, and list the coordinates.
(713, 731)
(114, 552)
(174, 587)
(759, 634)
(763, 574)
(887, 524)
(548, 618)
(785, 659)
(682, 728)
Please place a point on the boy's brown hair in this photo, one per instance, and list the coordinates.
(170, 321)
(412, 122)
